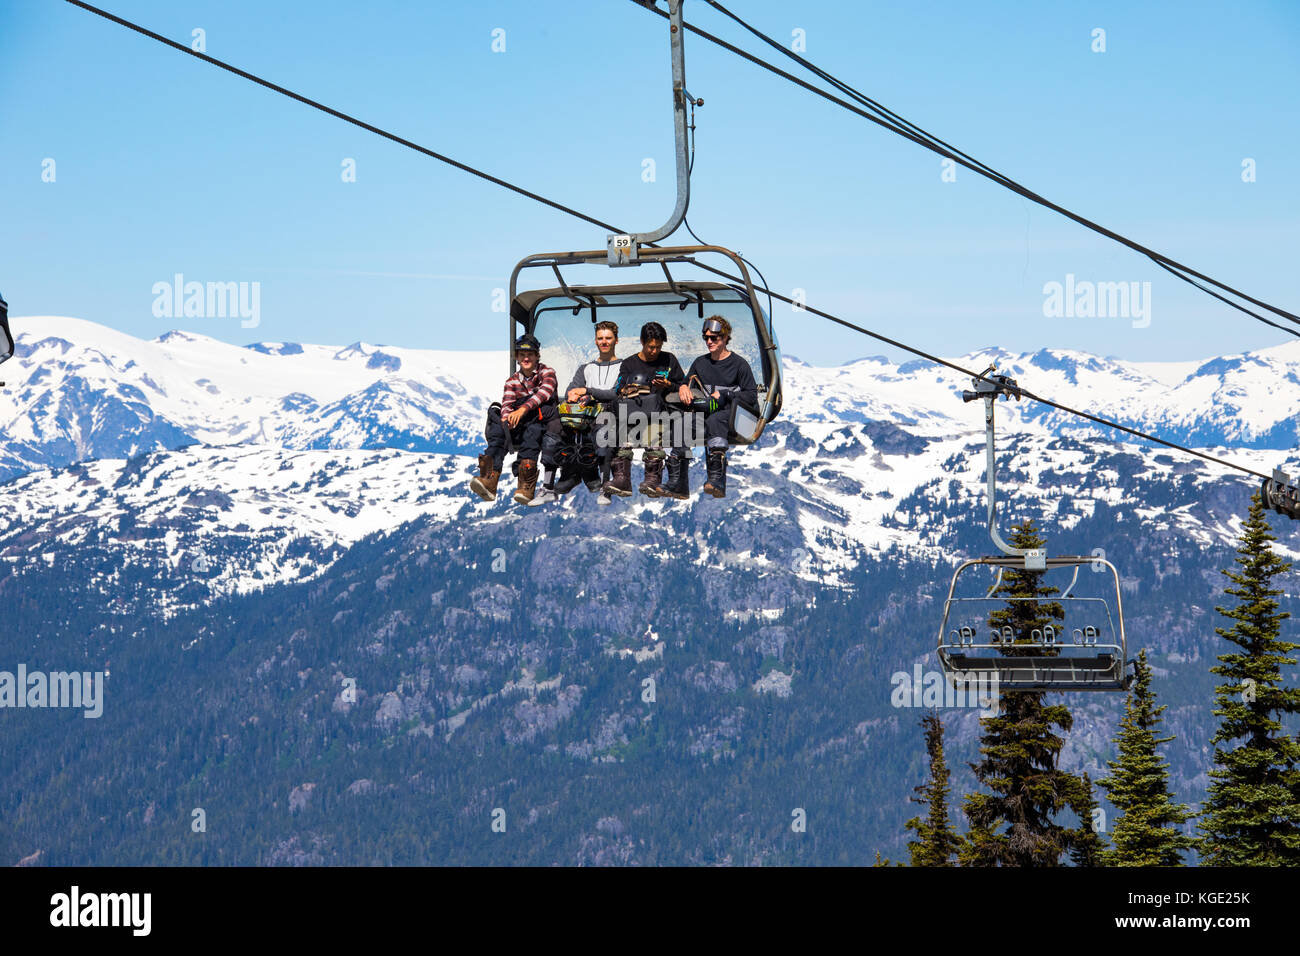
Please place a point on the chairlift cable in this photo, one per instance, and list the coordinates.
(849, 91)
(1188, 279)
(980, 376)
(934, 144)
(920, 353)
(338, 114)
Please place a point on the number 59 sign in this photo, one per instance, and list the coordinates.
(622, 250)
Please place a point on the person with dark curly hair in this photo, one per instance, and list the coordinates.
(643, 380)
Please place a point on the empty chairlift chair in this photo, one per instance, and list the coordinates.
(1055, 642)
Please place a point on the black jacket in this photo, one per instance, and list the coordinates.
(732, 379)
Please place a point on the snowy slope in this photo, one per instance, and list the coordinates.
(79, 390)
(820, 497)
(280, 456)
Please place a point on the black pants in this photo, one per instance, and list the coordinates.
(563, 446)
(716, 426)
(526, 437)
(653, 436)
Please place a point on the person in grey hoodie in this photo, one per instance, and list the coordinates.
(593, 381)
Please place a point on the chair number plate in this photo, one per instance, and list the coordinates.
(622, 250)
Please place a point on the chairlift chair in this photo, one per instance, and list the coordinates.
(562, 318)
(1064, 642)
(1084, 649)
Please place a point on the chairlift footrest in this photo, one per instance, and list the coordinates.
(967, 662)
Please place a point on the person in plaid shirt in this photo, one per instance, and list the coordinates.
(527, 411)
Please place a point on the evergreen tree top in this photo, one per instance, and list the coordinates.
(936, 842)
(1252, 810)
(1146, 832)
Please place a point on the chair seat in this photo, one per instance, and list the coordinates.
(998, 662)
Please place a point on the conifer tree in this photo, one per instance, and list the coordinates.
(936, 842)
(1252, 811)
(1146, 832)
(1015, 824)
(1087, 846)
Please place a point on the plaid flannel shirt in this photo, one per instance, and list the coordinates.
(528, 393)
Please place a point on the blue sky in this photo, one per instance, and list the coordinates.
(167, 165)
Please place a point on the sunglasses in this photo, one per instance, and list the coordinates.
(711, 337)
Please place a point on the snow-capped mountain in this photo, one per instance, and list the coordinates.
(222, 528)
(1244, 401)
(280, 456)
(79, 390)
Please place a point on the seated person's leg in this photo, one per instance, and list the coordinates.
(570, 471)
(489, 463)
(528, 440)
(716, 427)
(678, 482)
(620, 481)
(553, 440)
(653, 458)
(588, 464)
(604, 437)
(496, 435)
(715, 452)
(551, 458)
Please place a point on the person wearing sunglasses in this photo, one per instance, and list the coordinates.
(728, 380)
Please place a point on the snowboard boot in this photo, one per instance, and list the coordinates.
(620, 482)
(654, 469)
(485, 485)
(679, 479)
(589, 471)
(716, 463)
(597, 484)
(570, 478)
(527, 482)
